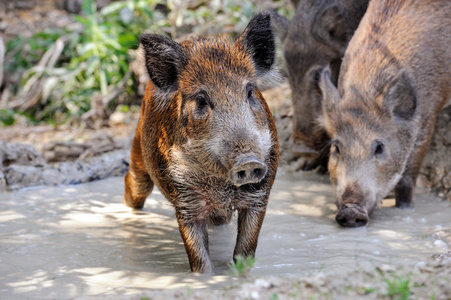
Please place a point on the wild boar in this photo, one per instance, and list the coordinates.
(206, 137)
(316, 37)
(394, 80)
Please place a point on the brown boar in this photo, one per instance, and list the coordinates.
(394, 80)
(316, 37)
(206, 137)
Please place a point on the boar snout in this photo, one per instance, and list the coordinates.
(352, 215)
(248, 169)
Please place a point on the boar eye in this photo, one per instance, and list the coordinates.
(201, 100)
(202, 104)
(378, 148)
(335, 149)
(315, 75)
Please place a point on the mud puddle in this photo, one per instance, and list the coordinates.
(69, 241)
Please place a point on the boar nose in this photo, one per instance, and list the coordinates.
(248, 170)
(351, 215)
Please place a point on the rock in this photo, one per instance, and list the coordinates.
(107, 165)
(15, 153)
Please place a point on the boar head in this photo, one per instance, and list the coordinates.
(219, 116)
(372, 127)
(315, 38)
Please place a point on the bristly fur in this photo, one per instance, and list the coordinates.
(257, 42)
(206, 137)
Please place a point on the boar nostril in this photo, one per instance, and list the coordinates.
(241, 174)
(341, 221)
(257, 172)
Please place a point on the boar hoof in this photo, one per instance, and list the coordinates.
(248, 170)
(404, 205)
(351, 217)
(138, 205)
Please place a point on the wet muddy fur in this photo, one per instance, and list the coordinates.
(206, 137)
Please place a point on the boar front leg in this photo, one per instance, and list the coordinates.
(249, 224)
(404, 191)
(195, 238)
(404, 188)
(138, 184)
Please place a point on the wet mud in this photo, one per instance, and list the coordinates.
(72, 241)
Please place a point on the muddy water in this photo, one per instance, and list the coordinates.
(68, 241)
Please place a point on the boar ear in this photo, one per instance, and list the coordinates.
(400, 97)
(258, 40)
(281, 24)
(331, 96)
(330, 26)
(164, 59)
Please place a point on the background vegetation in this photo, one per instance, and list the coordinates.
(83, 72)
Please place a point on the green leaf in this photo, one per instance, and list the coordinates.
(90, 82)
(6, 116)
(103, 83)
(89, 7)
(92, 64)
(128, 40)
(82, 20)
(112, 8)
(84, 48)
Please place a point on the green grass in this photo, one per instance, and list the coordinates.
(95, 58)
(274, 297)
(242, 265)
(398, 287)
